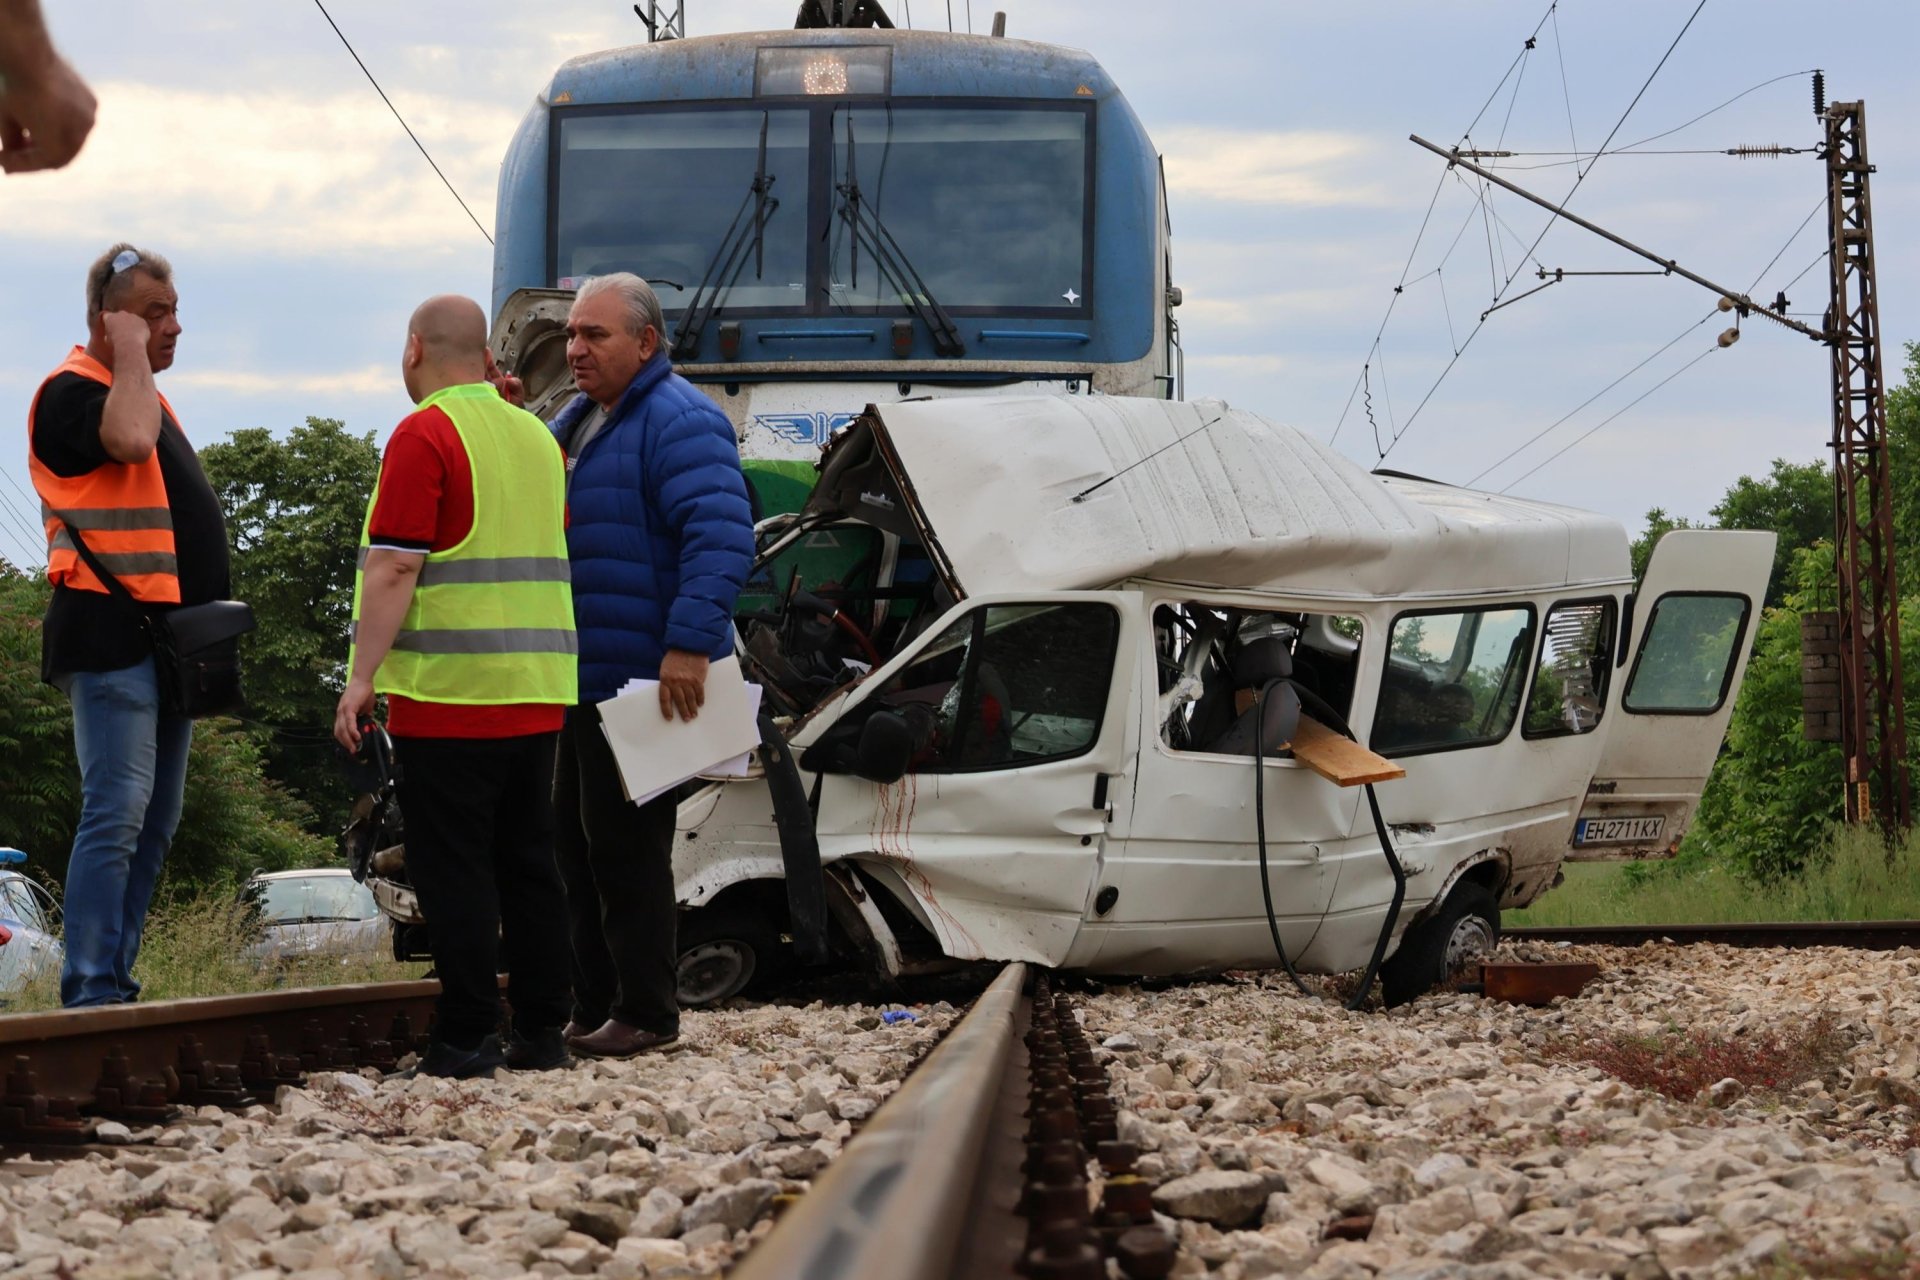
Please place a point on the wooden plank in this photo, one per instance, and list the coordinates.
(1339, 759)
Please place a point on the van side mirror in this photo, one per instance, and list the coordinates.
(885, 751)
(878, 747)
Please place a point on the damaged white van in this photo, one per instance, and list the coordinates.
(1017, 716)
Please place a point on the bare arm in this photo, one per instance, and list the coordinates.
(46, 110)
(385, 591)
(130, 422)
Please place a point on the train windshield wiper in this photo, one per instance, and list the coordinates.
(867, 229)
(730, 258)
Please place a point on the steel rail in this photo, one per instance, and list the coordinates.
(1857, 935)
(137, 1062)
(896, 1203)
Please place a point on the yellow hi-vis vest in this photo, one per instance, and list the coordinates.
(491, 620)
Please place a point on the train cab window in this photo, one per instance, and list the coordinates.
(989, 205)
(1213, 660)
(1570, 680)
(653, 192)
(1452, 680)
(1005, 686)
(1686, 660)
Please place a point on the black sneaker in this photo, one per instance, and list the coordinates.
(447, 1062)
(544, 1050)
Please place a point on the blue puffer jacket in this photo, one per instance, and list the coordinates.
(659, 530)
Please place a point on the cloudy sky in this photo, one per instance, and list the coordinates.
(238, 137)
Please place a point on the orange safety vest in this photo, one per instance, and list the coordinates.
(120, 508)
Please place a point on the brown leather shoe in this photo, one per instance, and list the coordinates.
(575, 1030)
(615, 1039)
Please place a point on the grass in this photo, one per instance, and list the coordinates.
(1858, 1264)
(1851, 878)
(1681, 1063)
(198, 947)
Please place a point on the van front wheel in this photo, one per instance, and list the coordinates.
(1461, 934)
(721, 952)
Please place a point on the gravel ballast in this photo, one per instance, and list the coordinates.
(666, 1165)
(1462, 1138)
(1453, 1139)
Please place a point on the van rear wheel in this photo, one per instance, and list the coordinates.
(1463, 932)
(721, 953)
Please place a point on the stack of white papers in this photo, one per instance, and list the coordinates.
(653, 752)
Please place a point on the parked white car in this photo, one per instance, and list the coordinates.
(317, 912)
(1021, 723)
(29, 927)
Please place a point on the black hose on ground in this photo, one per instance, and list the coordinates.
(1334, 720)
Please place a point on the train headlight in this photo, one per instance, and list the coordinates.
(811, 71)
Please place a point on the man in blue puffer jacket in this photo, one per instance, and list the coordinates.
(660, 536)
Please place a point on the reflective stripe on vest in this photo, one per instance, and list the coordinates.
(119, 508)
(490, 621)
(496, 569)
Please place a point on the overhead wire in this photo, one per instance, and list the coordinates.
(1615, 414)
(1566, 92)
(1537, 436)
(1419, 236)
(22, 519)
(1553, 219)
(1577, 157)
(402, 119)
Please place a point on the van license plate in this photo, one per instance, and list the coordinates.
(1619, 830)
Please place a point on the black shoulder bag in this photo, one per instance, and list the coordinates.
(196, 647)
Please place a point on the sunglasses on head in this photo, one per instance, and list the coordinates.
(125, 260)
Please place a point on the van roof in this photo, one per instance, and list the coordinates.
(1059, 493)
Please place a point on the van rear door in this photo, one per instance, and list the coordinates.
(1685, 653)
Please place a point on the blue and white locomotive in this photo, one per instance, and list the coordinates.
(844, 214)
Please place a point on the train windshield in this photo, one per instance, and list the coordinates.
(989, 205)
(654, 193)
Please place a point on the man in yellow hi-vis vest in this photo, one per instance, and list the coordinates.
(463, 617)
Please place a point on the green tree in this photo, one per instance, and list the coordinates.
(1773, 794)
(1794, 500)
(294, 510)
(234, 821)
(1903, 460)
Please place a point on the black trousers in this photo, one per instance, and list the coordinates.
(617, 861)
(479, 835)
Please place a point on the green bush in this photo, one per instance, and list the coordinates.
(234, 821)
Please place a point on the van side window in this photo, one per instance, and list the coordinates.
(1010, 685)
(1570, 681)
(1214, 659)
(1686, 661)
(1452, 679)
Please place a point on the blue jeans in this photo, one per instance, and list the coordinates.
(133, 777)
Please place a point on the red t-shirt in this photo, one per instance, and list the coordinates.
(426, 504)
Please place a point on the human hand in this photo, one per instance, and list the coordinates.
(45, 116)
(511, 389)
(683, 684)
(356, 704)
(125, 331)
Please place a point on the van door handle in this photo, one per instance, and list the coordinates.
(1101, 784)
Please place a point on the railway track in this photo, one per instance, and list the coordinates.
(977, 1167)
(139, 1063)
(1858, 935)
(999, 1155)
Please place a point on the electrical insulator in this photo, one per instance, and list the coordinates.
(1725, 304)
(1730, 337)
(1819, 95)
